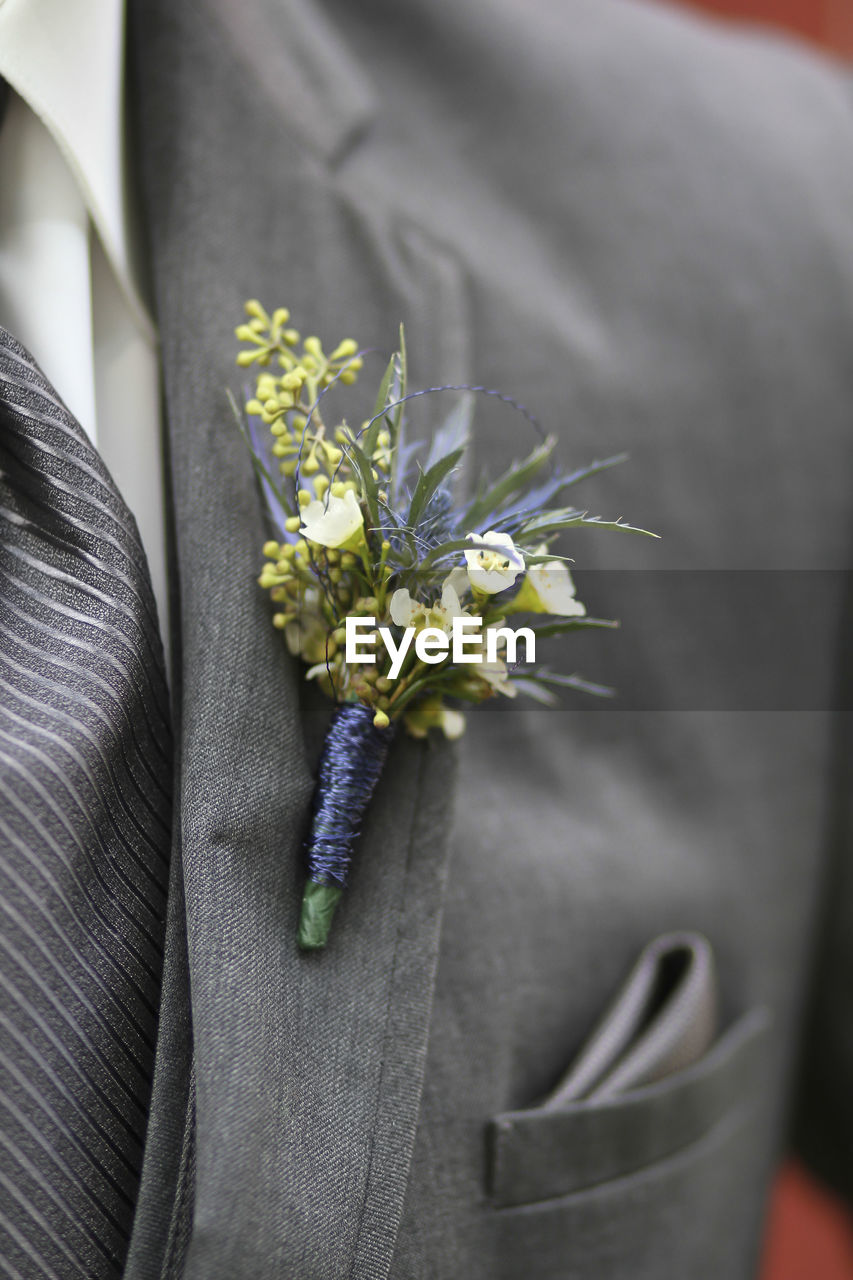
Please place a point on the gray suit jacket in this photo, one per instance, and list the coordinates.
(642, 226)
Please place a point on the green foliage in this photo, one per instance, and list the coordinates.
(517, 478)
(428, 483)
(364, 520)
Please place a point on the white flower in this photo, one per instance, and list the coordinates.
(458, 580)
(553, 586)
(452, 723)
(493, 571)
(403, 608)
(431, 713)
(450, 606)
(406, 612)
(496, 674)
(333, 522)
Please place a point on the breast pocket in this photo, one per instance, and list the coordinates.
(660, 1181)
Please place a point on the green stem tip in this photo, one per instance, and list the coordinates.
(319, 902)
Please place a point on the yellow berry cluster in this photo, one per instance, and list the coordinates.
(283, 400)
(313, 586)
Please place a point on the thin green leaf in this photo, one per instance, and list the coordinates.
(428, 482)
(369, 486)
(536, 557)
(517, 477)
(571, 682)
(538, 692)
(260, 470)
(558, 521)
(382, 397)
(574, 624)
(401, 389)
(600, 464)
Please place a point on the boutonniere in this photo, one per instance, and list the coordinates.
(400, 593)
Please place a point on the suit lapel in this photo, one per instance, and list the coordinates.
(308, 1068)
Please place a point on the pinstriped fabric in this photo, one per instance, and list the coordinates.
(85, 812)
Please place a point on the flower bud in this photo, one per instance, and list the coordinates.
(346, 348)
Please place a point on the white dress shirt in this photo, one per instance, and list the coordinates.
(69, 286)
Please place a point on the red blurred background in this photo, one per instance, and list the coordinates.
(828, 23)
(810, 1236)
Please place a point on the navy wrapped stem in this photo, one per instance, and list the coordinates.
(353, 758)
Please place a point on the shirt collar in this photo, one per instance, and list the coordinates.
(65, 59)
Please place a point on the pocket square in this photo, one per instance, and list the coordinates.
(662, 1019)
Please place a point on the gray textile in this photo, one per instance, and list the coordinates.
(85, 834)
(642, 226)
